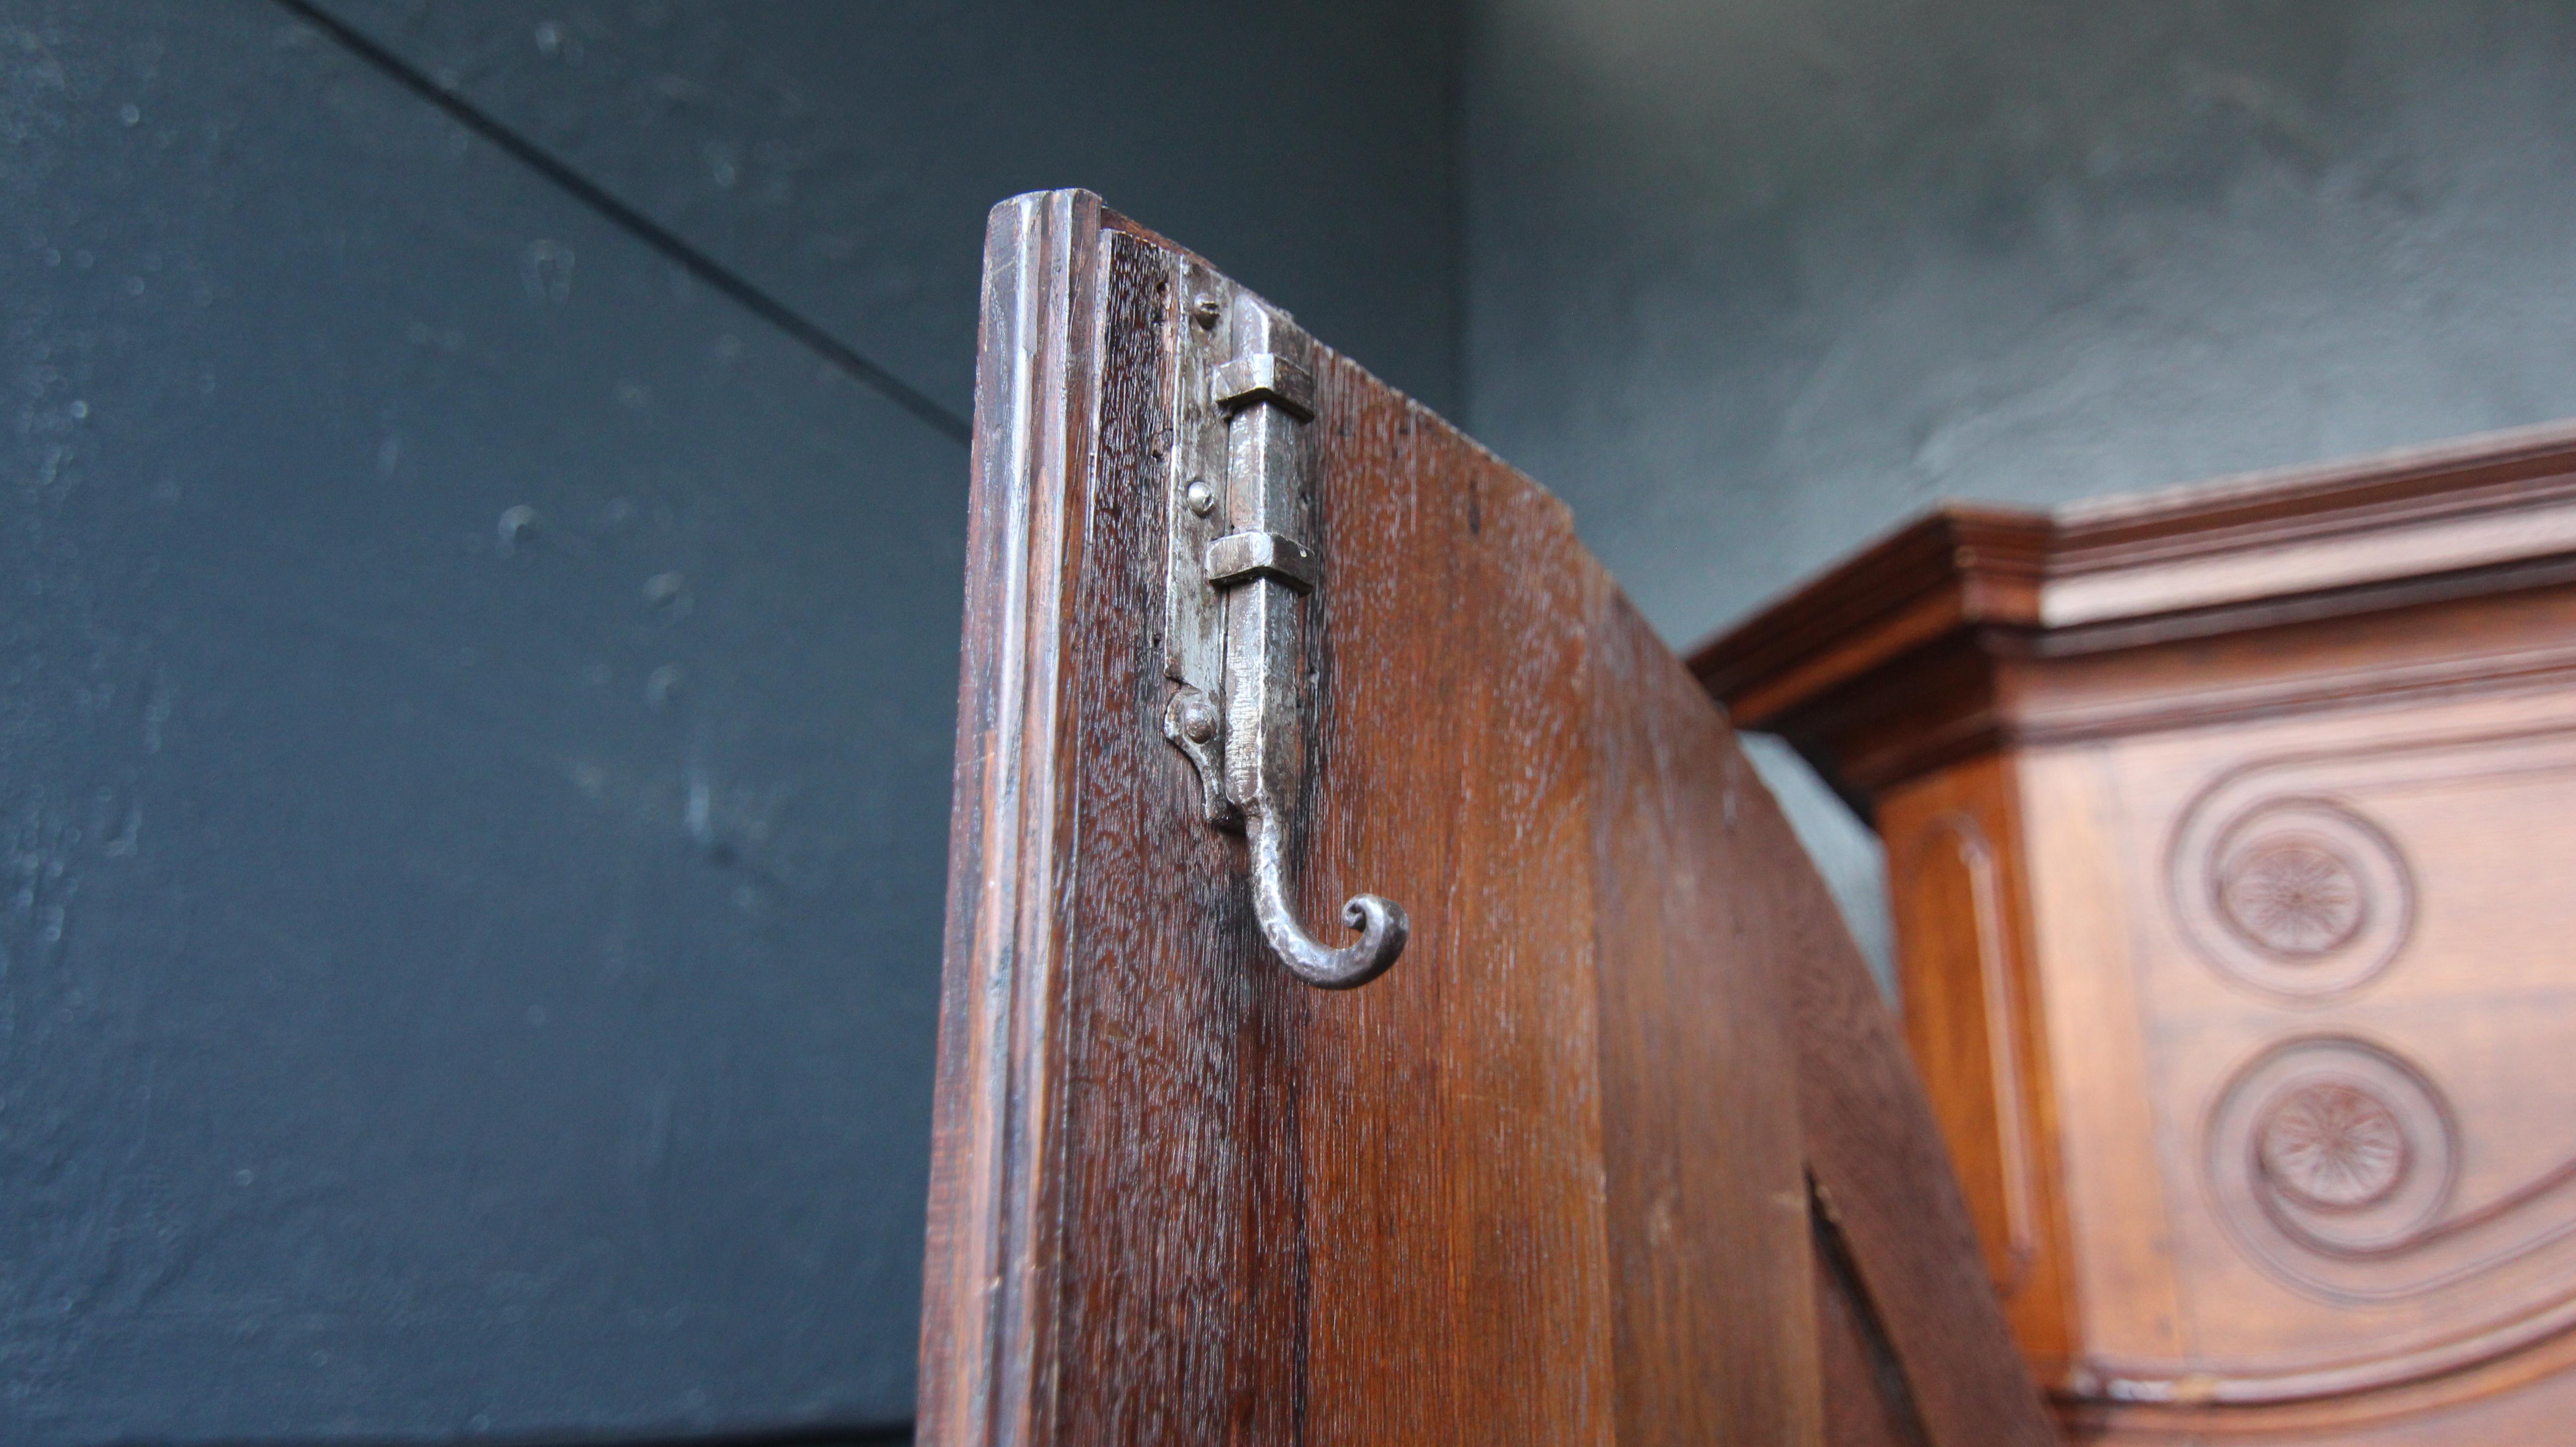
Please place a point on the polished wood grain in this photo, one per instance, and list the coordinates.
(1546, 1182)
(2219, 826)
(1963, 965)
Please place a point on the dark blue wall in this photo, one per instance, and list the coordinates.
(845, 153)
(475, 699)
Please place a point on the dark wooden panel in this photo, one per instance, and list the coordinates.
(1361, 1217)
(1451, 1111)
(1539, 1184)
(1547, 1181)
(1867, 1403)
(1708, 1202)
(1880, 1169)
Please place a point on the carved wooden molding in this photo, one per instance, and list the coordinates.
(1952, 871)
(2298, 1009)
(2331, 1157)
(2299, 897)
(1920, 624)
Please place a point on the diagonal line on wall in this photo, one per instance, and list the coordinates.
(644, 228)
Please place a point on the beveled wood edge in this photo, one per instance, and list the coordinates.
(2226, 1399)
(988, 1313)
(2484, 513)
(1961, 564)
(2391, 485)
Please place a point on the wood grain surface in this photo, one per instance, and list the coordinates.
(1867, 1402)
(2221, 827)
(1546, 1181)
(1709, 1217)
(988, 1317)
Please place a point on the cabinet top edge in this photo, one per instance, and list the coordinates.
(2455, 518)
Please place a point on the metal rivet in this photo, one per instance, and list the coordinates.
(1197, 720)
(1205, 309)
(1199, 496)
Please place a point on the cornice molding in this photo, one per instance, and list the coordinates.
(2480, 515)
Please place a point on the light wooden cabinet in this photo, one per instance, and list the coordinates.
(2226, 832)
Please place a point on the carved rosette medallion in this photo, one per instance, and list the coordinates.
(2296, 897)
(2329, 1158)
(2332, 1145)
(2293, 895)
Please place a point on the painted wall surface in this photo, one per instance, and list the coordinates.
(846, 154)
(475, 701)
(1749, 283)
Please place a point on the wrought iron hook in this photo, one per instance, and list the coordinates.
(1381, 922)
(1238, 572)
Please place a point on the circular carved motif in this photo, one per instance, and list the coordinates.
(2333, 1145)
(2293, 895)
(2329, 1158)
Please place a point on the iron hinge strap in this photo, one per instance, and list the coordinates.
(1238, 570)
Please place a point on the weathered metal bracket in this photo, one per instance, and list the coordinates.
(1237, 569)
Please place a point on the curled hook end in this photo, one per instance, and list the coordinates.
(1383, 932)
(1380, 921)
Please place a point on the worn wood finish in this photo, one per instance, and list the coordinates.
(1879, 1170)
(1867, 1401)
(988, 1317)
(2215, 822)
(1707, 1203)
(1543, 1183)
